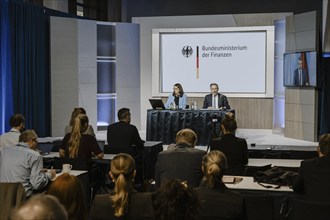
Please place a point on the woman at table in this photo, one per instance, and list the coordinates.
(74, 114)
(234, 148)
(178, 98)
(78, 144)
(217, 201)
(124, 202)
(69, 191)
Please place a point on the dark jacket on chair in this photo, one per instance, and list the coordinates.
(314, 179)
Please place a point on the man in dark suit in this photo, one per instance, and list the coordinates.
(182, 162)
(314, 174)
(124, 135)
(300, 75)
(215, 100)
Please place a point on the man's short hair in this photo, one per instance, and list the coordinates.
(214, 84)
(123, 113)
(324, 144)
(41, 206)
(28, 135)
(16, 120)
(187, 136)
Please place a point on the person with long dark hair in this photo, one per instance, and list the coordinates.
(175, 200)
(233, 147)
(177, 98)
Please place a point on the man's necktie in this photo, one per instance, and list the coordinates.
(214, 102)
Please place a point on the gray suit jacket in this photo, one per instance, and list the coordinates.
(182, 162)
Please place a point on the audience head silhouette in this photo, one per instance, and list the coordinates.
(187, 136)
(75, 113)
(30, 137)
(122, 172)
(124, 115)
(17, 121)
(68, 189)
(324, 145)
(214, 166)
(229, 124)
(176, 201)
(41, 206)
(80, 126)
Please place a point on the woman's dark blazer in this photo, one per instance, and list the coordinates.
(139, 207)
(235, 150)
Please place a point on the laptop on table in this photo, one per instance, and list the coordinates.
(157, 104)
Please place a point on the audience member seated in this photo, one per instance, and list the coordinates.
(10, 138)
(124, 202)
(22, 163)
(234, 148)
(175, 201)
(217, 201)
(74, 114)
(78, 144)
(123, 136)
(182, 161)
(314, 174)
(178, 99)
(68, 189)
(41, 206)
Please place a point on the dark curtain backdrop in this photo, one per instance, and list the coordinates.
(6, 101)
(30, 65)
(29, 34)
(324, 116)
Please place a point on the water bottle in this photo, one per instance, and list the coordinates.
(192, 106)
(174, 106)
(195, 105)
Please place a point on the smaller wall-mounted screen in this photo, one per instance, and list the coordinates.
(300, 69)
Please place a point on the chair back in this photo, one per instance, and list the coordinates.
(305, 209)
(11, 196)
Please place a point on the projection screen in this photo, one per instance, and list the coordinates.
(239, 59)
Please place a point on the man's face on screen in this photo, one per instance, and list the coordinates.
(214, 89)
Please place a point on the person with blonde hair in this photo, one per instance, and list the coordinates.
(68, 189)
(217, 201)
(78, 144)
(181, 161)
(124, 201)
(74, 114)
